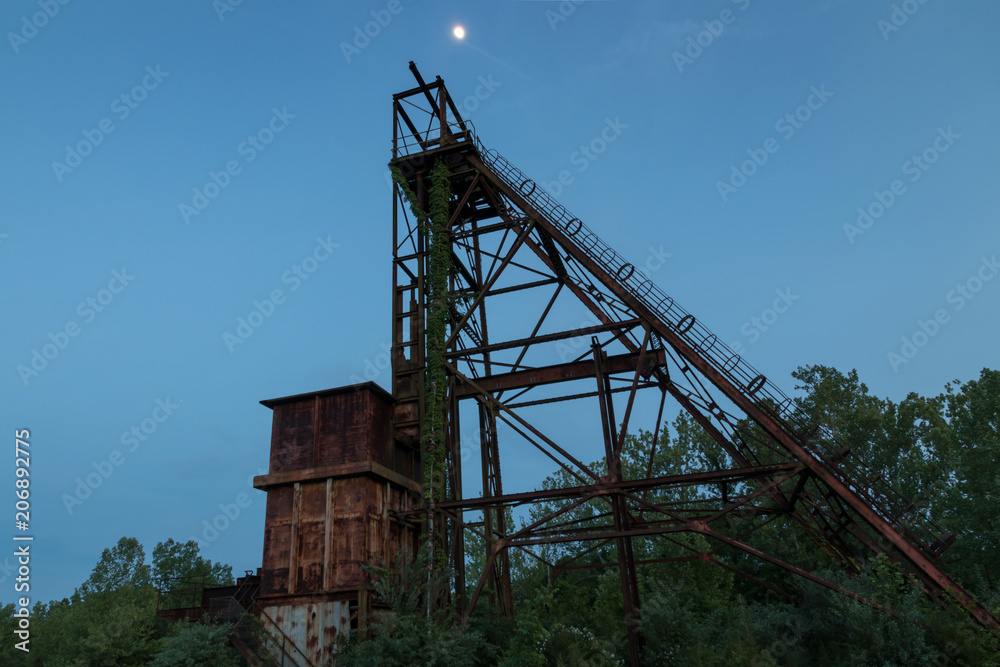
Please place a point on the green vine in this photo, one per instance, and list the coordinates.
(437, 323)
(411, 199)
(434, 227)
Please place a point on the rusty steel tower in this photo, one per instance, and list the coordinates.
(474, 238)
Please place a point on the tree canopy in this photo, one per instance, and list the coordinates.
(110, 620)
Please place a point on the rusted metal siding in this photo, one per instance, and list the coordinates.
(320, 543)
(330, 428)
(292, 435)
(310, 536)
(311, 626)
(332, 494)
(348, 554)
(277, 528)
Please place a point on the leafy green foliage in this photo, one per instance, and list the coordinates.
(434, 225)
(402, 634)
(124, 565)
(9, 654)
(194, 644)
(183, 574)
(544, 634)
(174, 560)
(410, 639)
(971, 502)
(110, 620)
(943, 451)
(437, 329)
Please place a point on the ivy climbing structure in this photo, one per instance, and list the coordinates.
(473, 237)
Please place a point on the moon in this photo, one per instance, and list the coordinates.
(459, 32)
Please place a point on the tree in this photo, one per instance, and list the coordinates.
(401, 634)
(118, 607)
(172, 560)
(9, 654)
(193, 644)
(110, 620)
(973, 494)
(183, 573)
(124, 565)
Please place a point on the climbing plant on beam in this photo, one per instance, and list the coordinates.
(434, 227)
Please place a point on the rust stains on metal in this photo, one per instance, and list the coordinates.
(334, 487)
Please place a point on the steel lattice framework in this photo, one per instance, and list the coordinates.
(510, 242)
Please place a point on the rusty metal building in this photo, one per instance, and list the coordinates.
(334, 483)
(334, 478)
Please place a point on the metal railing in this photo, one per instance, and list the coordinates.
(180, 592)
(231, 610)
(236, 609)
(410, 144)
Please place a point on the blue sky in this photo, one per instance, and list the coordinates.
(689, 102)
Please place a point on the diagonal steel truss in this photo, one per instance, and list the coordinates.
(513, 248)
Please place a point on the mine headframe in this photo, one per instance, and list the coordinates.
(511, 258)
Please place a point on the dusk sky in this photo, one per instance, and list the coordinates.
(816, 181)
